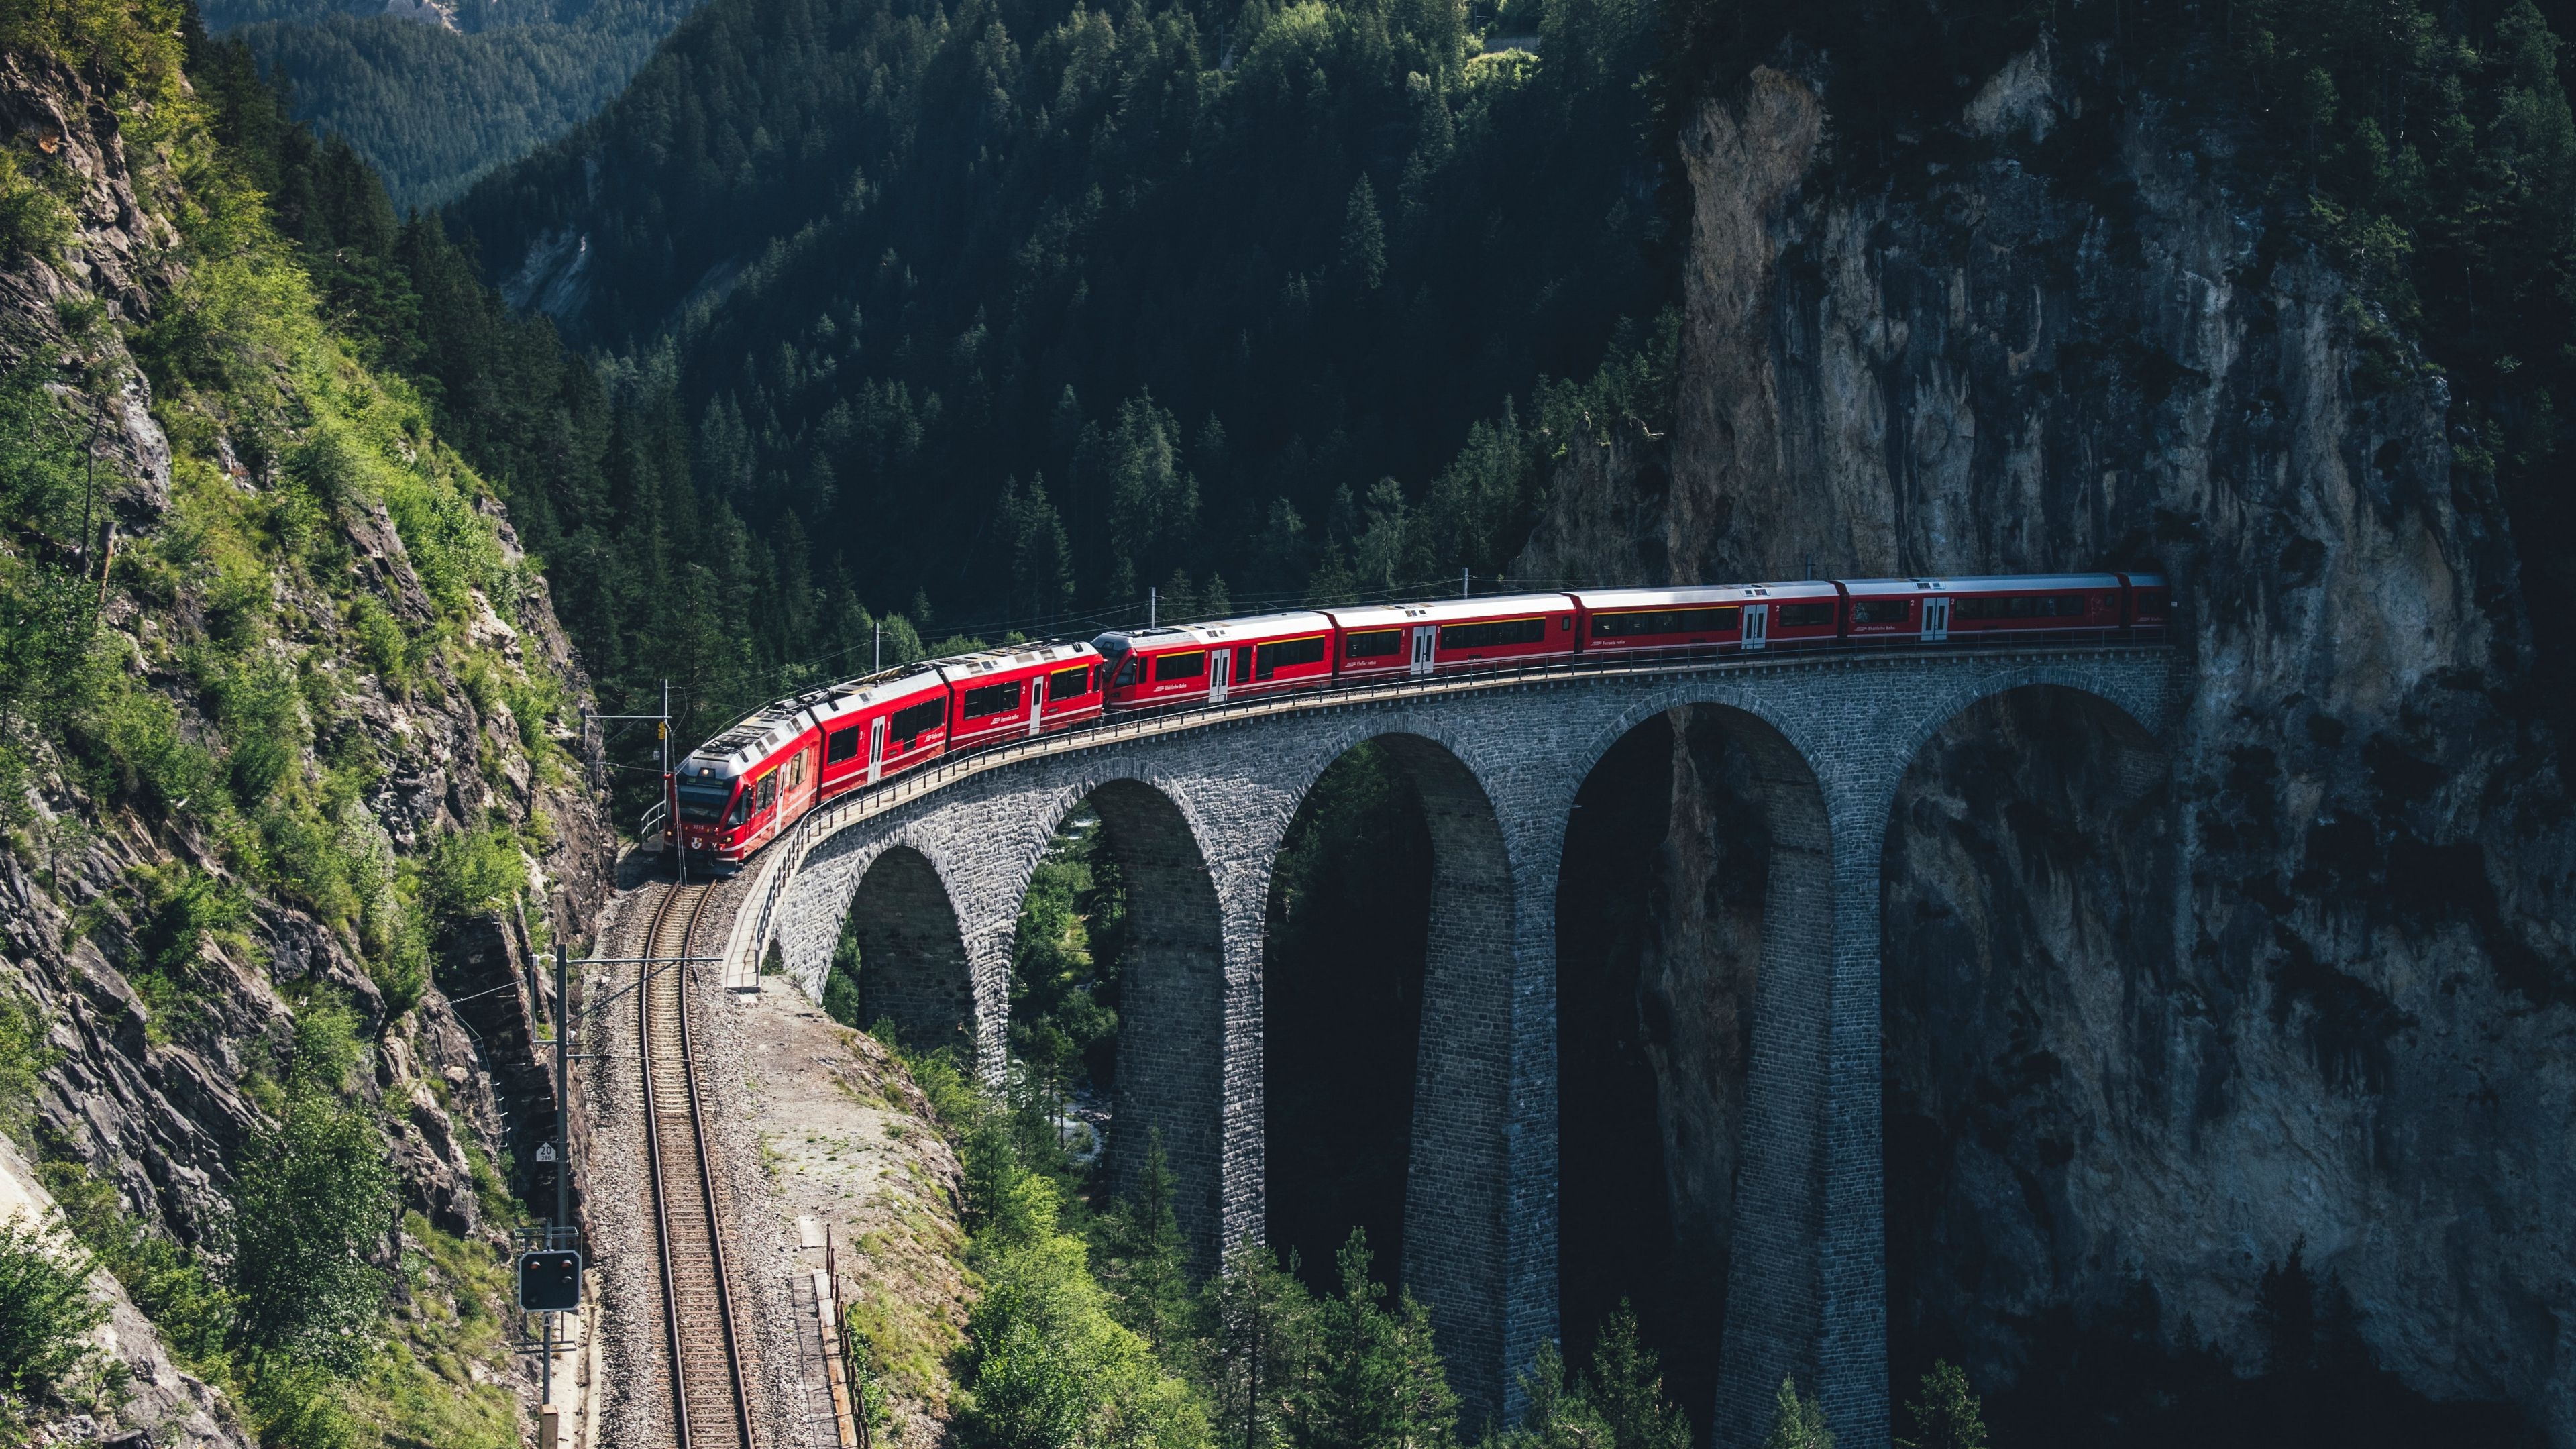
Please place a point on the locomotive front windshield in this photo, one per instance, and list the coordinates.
(704, 804)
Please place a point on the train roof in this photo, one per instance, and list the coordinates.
(1437, 611)
(751, 739)
(1981, 584)
(1224, 631)
(958, 667)
(1600, 600)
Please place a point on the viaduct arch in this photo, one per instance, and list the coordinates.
(1204, 800)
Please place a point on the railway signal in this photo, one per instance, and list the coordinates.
(550, 1282)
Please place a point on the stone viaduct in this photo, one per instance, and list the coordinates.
(930, 871)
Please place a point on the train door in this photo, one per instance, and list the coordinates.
(1936, 620)
(1423, 634)
(1220, 674)
(876, 749)
(1757, 625)
(1037, 703)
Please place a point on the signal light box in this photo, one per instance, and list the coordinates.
(550, 1282)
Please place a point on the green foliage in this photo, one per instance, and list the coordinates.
(1797, 1421)
(170, 1284)
(130, 46)
(1376, 1379)
(46, 1313)
(432, 109)
(1145, 1264)
(24, 1055)
(314, 1195)
(1618, 1404)
(475, 872)
(1945, 1413)
(1259, 1324)
(1625, 1384)
(1065, 954)
(1559, 1416)
(1047, 1366)
(1333, 241)
(33, 223)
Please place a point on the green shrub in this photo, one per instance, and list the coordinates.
(23, 1055)
(294, 1404)
(46, 1311)
(32, 222)
(127, 739)
(314, 1195)
(476, 872)
(166, 1281)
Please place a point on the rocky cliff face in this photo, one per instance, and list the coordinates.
(2171, 1038)
(154, 1053)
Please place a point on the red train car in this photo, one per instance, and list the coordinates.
(1933, 610)
(1213, 662)
(1020, 690)
(882, 724)
(1745, 617)
(1387, 640)
(738, 790)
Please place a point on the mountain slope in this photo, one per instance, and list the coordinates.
(285, 768)
(1211, 275)
(436, 98)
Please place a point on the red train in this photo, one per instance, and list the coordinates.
(740, 789)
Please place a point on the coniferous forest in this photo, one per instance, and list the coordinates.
(435, 95)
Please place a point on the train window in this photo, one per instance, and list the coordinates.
(1286, 654)
(992, 699)
(844, 746)
(1666, 621)
(2027, 606)
(1180, 666)
(704, 803)
(1069, 683)
(1881, 611)
(1797, 616)
(1493, 635)
(1375, 644)
(1127, 672)
(910, 724)
(768, 790)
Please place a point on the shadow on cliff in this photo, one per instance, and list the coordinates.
(2041, 1027)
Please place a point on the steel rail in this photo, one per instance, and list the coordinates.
(787, 850)
(708, 1431)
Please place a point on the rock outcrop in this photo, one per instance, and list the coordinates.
(2160, 1031)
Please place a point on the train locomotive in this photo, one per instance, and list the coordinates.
(741, 789)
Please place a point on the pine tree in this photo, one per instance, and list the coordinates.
(1560, 1416)
(1146, 1263)
(1363, 237)
(1627, 1387)
(1426, 1408)
(1946, 1415)
(1260, 1331)
(1351, 1402)
(1797, 1422)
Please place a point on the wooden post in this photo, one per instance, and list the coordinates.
(849, 1407)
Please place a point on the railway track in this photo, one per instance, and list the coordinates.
(710, 1398)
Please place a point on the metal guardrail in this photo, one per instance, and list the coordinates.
(787, 852)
